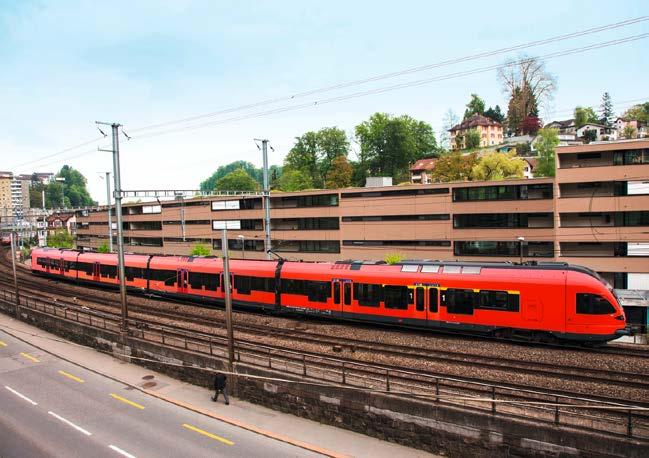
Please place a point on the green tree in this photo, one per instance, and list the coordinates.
(498, 166)
(72, 189)
(103, 248)
(388, 144)
(585, 115)
(629, 132)
(238, 180)
(60, 239)
(294, 180)
(606, 110)
(314, 152)
(547, 140)
(200, 250)
(638, 112)
(209, 184)
(496, 114)
(454, 166)
(470, 139)
(589, 135)
(393, 258)
(475, 106)
(340, 173)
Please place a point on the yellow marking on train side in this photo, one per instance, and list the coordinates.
(513, 292)
(126, 401)
(2, 344)
(29, 357)
(210, 435)
(71, 377)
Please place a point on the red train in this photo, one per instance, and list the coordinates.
(534, 301)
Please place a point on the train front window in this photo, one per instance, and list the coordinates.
(593, 304)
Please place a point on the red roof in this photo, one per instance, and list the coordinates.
(475, 121)
(424, 164)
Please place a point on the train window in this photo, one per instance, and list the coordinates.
(432, 300)
(396, 297)
(496, 300)
(86, 268)
(131, 273)
(266, 284)
(347, 289)
(460, 301)
(290, 286)
(593, 304)
(242, 284)
(67, 265)
(336, 293)
(167, 276)
(318, 291)
(368, 295)
(41, 262)
(419, 299)
(108, 271)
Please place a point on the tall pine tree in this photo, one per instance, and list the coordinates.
(606, 110)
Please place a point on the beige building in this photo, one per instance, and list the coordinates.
(6, 208)
(491, 132)
(594, 213)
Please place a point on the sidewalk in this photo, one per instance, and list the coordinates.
(274, 423)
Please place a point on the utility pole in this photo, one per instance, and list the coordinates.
(12, 238)
(118, 212)
(267, 245)
(110, 216)
(228, 298)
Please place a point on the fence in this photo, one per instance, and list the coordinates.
(610, 417)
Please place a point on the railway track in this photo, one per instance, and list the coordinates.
(357, 349)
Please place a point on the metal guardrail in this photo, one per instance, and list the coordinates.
(580, 412)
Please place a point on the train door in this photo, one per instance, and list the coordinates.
(432, 303)
(347, 296)
(61, 270)
(96, 271)
(418, 298)
(182, 280)
(337, 295)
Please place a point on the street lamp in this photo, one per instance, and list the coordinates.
(520, 239)
(62, 181)
(243, 245)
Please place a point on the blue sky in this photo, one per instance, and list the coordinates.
(68, 63)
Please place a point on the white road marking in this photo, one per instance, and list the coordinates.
(68, 422)
(121, 452)
(21, 396)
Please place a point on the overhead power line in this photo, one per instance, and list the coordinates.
(398, 73)
(63, 151)
(404, 85)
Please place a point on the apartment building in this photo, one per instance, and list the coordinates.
(490, 131)
(594, 213)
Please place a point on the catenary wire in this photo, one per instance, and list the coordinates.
(397, 73)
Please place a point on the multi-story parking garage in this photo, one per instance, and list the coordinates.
(594, 213)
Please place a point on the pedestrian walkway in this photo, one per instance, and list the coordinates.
(239, 413)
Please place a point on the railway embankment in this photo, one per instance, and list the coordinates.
(446, 421)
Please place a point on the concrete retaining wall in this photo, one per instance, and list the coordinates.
(439, 429)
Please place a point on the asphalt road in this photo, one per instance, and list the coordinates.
(50, 407)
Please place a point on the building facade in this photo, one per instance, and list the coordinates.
(595, 212)
(490, 131)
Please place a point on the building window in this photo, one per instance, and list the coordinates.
(370, 219)
(395, 193)
(219, 205)
(585, 156)
(320, 200)
(306, 246)
(147, 209)
(631, 157)
(226, 224)
(304, 224)
(189, 222)
(509, 248)
(404, 243)
(503, 220)
(504, 192)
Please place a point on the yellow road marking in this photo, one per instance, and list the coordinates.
(210, 435)
(71, 377)
(126, 401)
(2, 344)
(29, 357)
